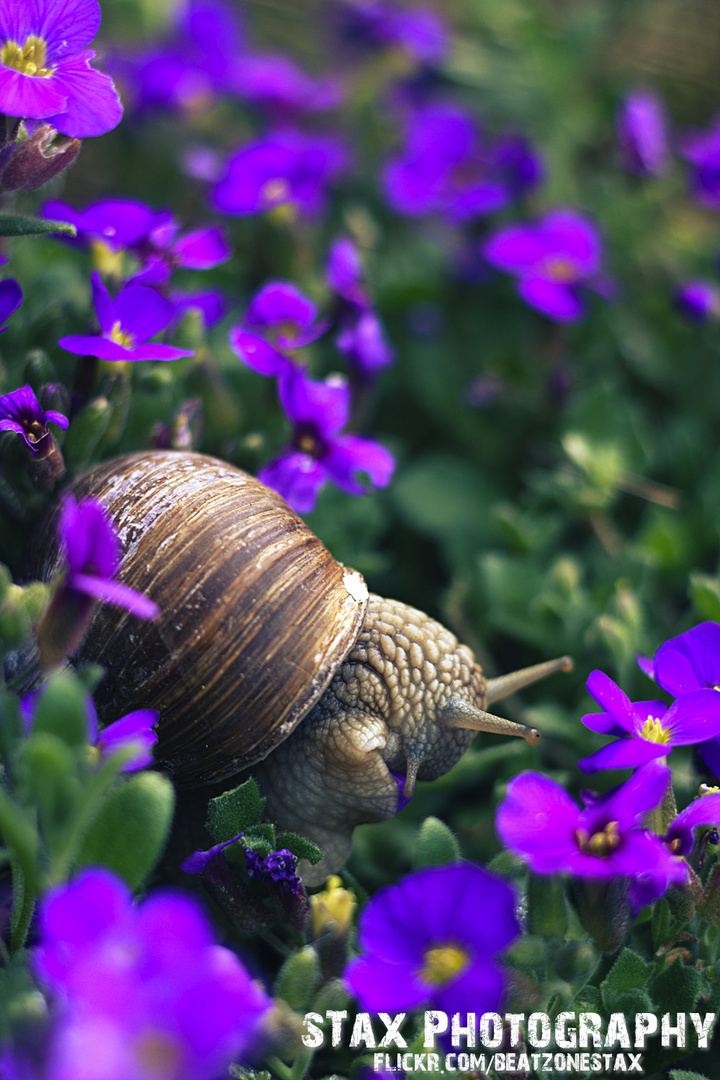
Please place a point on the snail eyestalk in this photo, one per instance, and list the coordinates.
(461, 714)
(505, 685)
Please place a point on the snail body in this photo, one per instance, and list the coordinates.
(269, 653)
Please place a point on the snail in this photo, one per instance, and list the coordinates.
(271, 654)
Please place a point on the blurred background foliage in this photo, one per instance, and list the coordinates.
(557, 487)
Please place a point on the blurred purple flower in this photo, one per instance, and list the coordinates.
(92, 550)
(45, 71)
(278, 868)
(136, 314)
(279, 320)
(538, 821)
(361, 336)
(423, 945)
(281, 86)
(210, 303)
(554, 261)
(287, 169)
(646, 729)
(702, 150)
(444, 169)
(517, 164)
(419, 31)
(192, 67)
(319, 452)
(20, 411)
(641, 133)
(173, 1003)
(699, 300)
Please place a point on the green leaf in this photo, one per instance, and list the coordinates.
(704, 593)
(686, 1074)
(435, 844)
(547, 913)
(20, 225)
(299, 846)
(629, 973)
(677, 988)
(129, 832)
(235, 811)
(62, 709)
(298, 978)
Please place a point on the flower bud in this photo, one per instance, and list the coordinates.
(38, 159)
(333, 908)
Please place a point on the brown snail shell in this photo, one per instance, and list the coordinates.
(256, 613)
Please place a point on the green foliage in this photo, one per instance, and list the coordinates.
(21, 225)
(435, 845)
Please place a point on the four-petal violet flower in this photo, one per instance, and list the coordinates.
(553, 260)
(288, 170)
(702, 150)
(539, 821)
(136, 314)
(92, 549)
(20, 411)
(361, 336)
(174, 1004)
(690, 661)
(45, 71)
(319, 452)
(423, 944)
(646, 729)
(279, 320)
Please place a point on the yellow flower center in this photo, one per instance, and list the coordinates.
(443, 964)
(28, 59)
(121, 337)
(599, 843)
(653, 731)
(107, 261)
(559, 268)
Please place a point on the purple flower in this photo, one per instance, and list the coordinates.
(280, 85)
(702, 811)
(20, 411)
(132, 734)
(192, 67)
(690, 661)
(646, 729)
(702, 150)
(641, 133)
(136, 314)
(279, 320)
(699, 300)
(361, 336)
(443, 168)
(45, 71)
(418, 31)
(423, 945)
(10, 299)
(152, 236)
(517, 164)
(92, 550)
(278, 868)
(173, 1002)
(287, 169)
(210, 303)
(539, 821)
(319, 452)
(553, 260)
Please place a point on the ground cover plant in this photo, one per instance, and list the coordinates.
(447, 279)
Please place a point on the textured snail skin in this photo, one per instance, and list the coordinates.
(381, 714)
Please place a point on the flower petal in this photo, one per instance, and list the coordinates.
(114, 592)
(537, 820)
(351, 455)
(101, 347)
(202, 249)
(297, 477)
(258, 353)
(624, 754)
(555, 299)
(27, 96)
(66, 25)
(92, 103)
(142, 312)
(694, 717)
